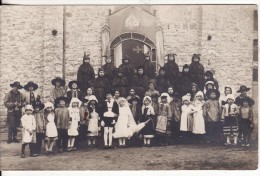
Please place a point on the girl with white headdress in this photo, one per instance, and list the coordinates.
(51, 129)
(199, 122)
(74, 113)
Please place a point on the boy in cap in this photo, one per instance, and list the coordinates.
(59, 88)
(30, 95)
(13, 101)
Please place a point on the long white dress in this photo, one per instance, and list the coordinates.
(28, 123)
(75, 116)
(186, 118)
(198, 119)
(51, 129)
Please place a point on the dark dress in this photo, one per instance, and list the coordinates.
(184, 83)
(128, 70)
(121, 84)
(197, 73)
(172, 71)
(109, 70)
(85, 75)
(162, 84)
(149, 69)
(100, 84)
(140, 83)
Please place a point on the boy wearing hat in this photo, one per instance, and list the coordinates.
(59, 88)
(171, 69)
(149, 68)
(109, 68)
(127, 68)
(38, 107)
(62, 119)
(243, 94)
(74, 90)
(13, 101)
(140, 82)
(85, 74)
(30, 95)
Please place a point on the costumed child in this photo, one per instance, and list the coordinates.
(164, 119)
(209, 77)
(74, 91)
(171, 69)
(151, 91)
(229, 116)
(109, 68)
(243, 93)
(186, 125)
(209, 85)
(223, 98)
(149, 68)
(62, 118)
(85, 73)
(51, 133)
(74, 114)
(185, 81)
(193, 91)
(28, 132)
(84, 120)
(140, 82)
(246, 120)
(212, 115)
(132, 94)
(162, 81)
(110, 111)
(197, 71)
(38, 107)
(59, 89)
(30, 95)
(147, 116)
(93, 125)
(120, 83)
(199, 122)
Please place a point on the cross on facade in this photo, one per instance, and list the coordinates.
(137, 49)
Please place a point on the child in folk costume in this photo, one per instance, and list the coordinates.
(194, 90)
(198, 122)
(84, 120)
(40, 126)
(246, 120)
(93, 125)
(212, 115)
(186, 125)
(109, 68)
(164, 125)
(51, 134)
(229, 116)
(171, 69)
(74, 113)
(223, 98)
(74, 90)
(28, 132)
(132, 94)
(110, 111)
(30, 95)
(120, 83)
(140, 82)
(243, 93)
(147, 114)
(197, 71)
(62, 118)
(59, 89)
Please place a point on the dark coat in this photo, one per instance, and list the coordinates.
(85, 75)
(14, 112)
(149, 69)
(140, 83)
(120, 84)
(109, 70)
(197, 73)
(172, 71)
(128, 70)
(184, 83)
(79, 93)
(100, 84)
(162, 84)
(137, 113)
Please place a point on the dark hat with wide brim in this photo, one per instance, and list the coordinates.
(58, 79)
(250, 101)
(57, 100)
(16, 84)
(31, 84)
(38, 104)
(134, 99)
(242, 89)
(214, 91)
(74, 81)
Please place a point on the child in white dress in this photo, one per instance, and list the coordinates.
(199, 122)
(28, 132)
(74, 113)
(51, 129)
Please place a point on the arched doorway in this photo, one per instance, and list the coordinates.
(134, 45)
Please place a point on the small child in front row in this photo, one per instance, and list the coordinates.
(28, 133)
(94, 118)
(74, 114)
(229, 115)
(246, 120)
(51, 134)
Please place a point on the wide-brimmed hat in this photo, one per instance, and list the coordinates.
(66, 99)
(31, 84)
(165, 95)
(16, 84)
(135, 98)
(186, 98)
(58, 79)
(38, 104)
(250, 101)
(28, 107)
(74, 81)
(213, 90)
(242, 89)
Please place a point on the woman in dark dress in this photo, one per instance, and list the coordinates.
(162, 81)
(197, 71)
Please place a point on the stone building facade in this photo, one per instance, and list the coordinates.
(224, 35)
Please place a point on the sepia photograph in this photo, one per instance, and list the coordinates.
(134, 87)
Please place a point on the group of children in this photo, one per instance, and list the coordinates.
(183, 107)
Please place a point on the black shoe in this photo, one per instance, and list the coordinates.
(106, 147)
(9, 141)
(16, 141)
